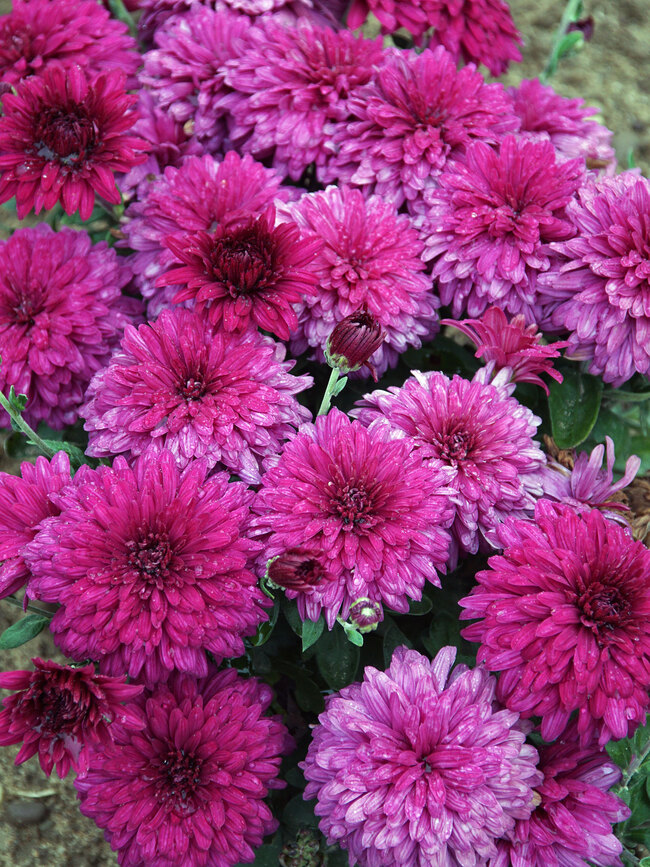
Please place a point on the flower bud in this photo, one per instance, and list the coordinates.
(353, 341)
(366, 615)
(297, 569)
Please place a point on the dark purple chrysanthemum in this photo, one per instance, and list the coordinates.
(149, 566)
(24, 503)
(37, 33)
(252, 272)
(491, 223)
(63, 137)
(419, 766)
(476, 430)
(367, 502)
(420, 112)
(604, 281)
(177, 385)
(61, 314)
(293, 87)
(62, 713)
(188, 789)
(353, 341)
(565, 616)
(370, 257)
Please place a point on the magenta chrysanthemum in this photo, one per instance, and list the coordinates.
(572, 823)
(188, 788)
(368, 503)
(175, 384)
(149, 566)
(24, 502)
(252, 272)
(37, 33)
(61, 314)
(61, 713)
(418, 765)
(370, 257)
(565, 616)
(604, 281)
(491, 223)
(420, 112)
(293, 87)
(484, 436)
(63, 137)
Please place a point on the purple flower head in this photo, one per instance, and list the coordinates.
(37, 33)
(418, 765)
(604, 280)
(187, 787)
(62, 713)
(353, 341)
(511, 345)
(62, 138)
(293, 87)
(420, 112)
(149, 566)
(565, 616)
(481, 435)
(367, 502)
(391, 14)
(176, 385)
(366, 614)
(491, 223)
(252, 272)
(61, 314)
(298, 569)
(24, 502)
(371, 257)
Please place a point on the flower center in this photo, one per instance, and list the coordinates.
(603, 607)
(192, 389)
(25, 310)
(66, 136)
(352, 504)
(150, 556)
(179, 777)
(244, 261)
(59, 712)
(453, 446)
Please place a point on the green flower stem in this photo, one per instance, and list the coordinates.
(120, 11)
(572, 12)
(634, 765)
(330, 391)
(21, 425)
(30, 607)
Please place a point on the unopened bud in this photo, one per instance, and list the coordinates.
(366, 615)
(353, 341)
(297, 569)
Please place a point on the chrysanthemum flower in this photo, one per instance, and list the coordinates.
(61, 713)
(37, 33)
(252, 272)
(484, 436)
(24, 503)
(62, 138)
(418, 766)
(188, 788)
(572, 823)
(175, 384)
(370, 256)
(420, 112)
(149, 566)
(491, 222)
(293, 87)
(604, 281)
(568, 123)
(368, 503)
(565, 616)
(61, 314)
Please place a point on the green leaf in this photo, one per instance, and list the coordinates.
(620, 752)
(23, 631)
(299, 814)
(290, 611)
(311, 632)
(417, 609)
(574, 405)
(570, 42)
(645, 862)
(264, 630)
(307, 694)
(18, 401)
(77, 457)
(337, 659)
(393, 637)
(267, 856)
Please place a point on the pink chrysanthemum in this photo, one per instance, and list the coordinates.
(565, 616)
(604, 281)
(370, 256)
(491, 223)
(61, 713)
(572, 823)
(149, 566)
(293, 87)
(252, 272)
(196, 197)
(420, 112)
(484, 436)
(63, 137)
(188, 789)
(61, 314)
(24, 502)
(544, 114)
(418, 765)
(368, 503)
(37, 33)
(510, 346)
(177, 385)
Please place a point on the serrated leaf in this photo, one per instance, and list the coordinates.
(18, 401)
(337, 659)
(23, 631)
(77, 457)
(573, 406)
(620, 752)
(311, 632)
